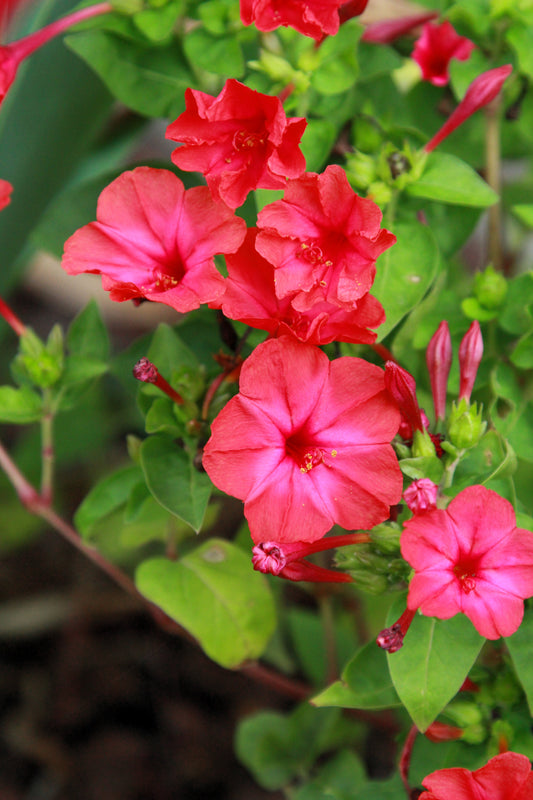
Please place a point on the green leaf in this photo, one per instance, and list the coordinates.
(402, 280)
(516, 315)
(87, 335)
(317, 143)
(278, 748)
(522, 355)
(336, 780)
(214, 593)
(158, 23)
(447, 179)
(20, 406)
(366, 683)
(174, 481)
(338, 67)
(221, 55)
(519, 646)
(422, 467)
(524, 212)
(107, 496)
(434, 661)
(392, 789)
(150, 80)
(520, 37)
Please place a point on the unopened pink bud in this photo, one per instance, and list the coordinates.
(391, 639)
(470, 354)
(268, 557)
(480, 92)
(421, 495)
(439, 361)
(145, 371)
(389, 30)
(402, 386)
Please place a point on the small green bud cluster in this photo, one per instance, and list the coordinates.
(465, 425)
(38, 362)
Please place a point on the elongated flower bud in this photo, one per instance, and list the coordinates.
(388, 30)
(480, 92)
(402, 386)
(439, 361)
(470, 353)
(147, 372)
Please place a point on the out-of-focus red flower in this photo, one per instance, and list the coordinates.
(250, 297)
(470, 558)
(154, 239)
(12, 55)
(323, 240)
(305, 443)
(507, 776)
(5, 193)
(240, 140)
(388, 30)
(436, 47)
(313, 18)
(481, 91)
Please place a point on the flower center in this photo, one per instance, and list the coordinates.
(465, 572)
(164, 279)
(247, 140)
(305, 454)
(312, 253)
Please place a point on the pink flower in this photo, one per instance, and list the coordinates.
(470, 558)
(251, 298)
(439, 361)
(402, 387)
(421, 495)
(240, 140)
(470, 355)
(480, 93)
(507, 776)
(12, 55)
(312, 17)
(288, 560)
(155, 239)
(306, 443)
(5, 193)
(436, 47)
(323, 240)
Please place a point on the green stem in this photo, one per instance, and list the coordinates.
(493, 177)
(47, 452)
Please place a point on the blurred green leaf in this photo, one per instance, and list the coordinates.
(450, 180)
(20, 406)
(221, 55)
(87, 335)
(519, 646)
(106, 496)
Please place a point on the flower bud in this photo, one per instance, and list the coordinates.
(421, 495)
(470, 354)
(360, 170)
(490, 288)
(402, 386)
(465, 425)
(422, 444)
(42, 363)
(439, 361)
(386, 538)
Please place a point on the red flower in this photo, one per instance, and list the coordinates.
(323, 240)
(5, 193)
(507, 776)
(436, 47)
(421, 495)
(305, 443)
(240, 140)
(439, 361)
(156, 240)
(470, 558)
(250, 297)
(481, 91)
(470, 355)
(12, 55)
(313, 18)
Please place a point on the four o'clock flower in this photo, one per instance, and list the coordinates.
(251, 298)
(470, 354)
(323, 240)
(288, 560)
(306, 443)
(436, 47)
(311, 17)
(13, 54)
(507, 776)
(154, 239)
(470, 558)
(240, 140)
(481, 91)
(439, 361)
